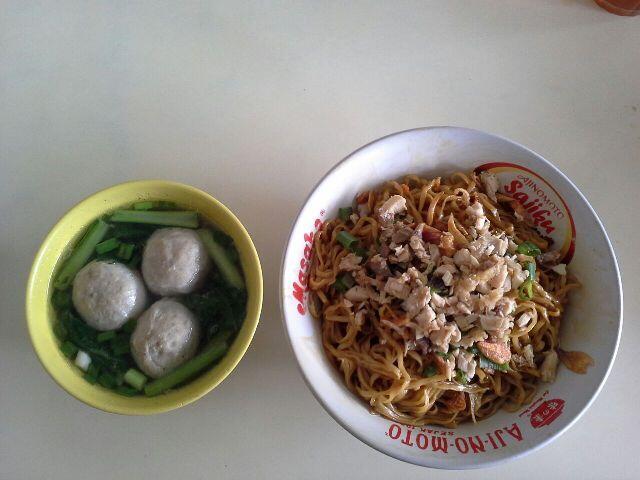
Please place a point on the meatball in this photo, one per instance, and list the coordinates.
(175, 261)
(106, 295)
(166, 336)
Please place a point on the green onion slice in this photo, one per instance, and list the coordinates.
(528, 248)
(347, 240)
(345, 213)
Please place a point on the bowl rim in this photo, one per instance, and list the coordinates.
(252, 317)
(477, 463)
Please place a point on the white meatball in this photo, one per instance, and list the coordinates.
(166, 336)
(106, 295)
(175, 261)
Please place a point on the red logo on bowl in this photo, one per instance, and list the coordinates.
(447, 441)
(300, 287)
(547, 412)
(546, 208)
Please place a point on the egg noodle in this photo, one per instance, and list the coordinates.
(373, 346)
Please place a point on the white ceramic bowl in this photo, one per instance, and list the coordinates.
(592, 322)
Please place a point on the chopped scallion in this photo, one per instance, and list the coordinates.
(126, 251)
(347, 240)
(83, 360)
(461, 377)
(135, 378)
(486, 363)
(528, 248)
(345, 213)
(531, 268)
(525, 291)
(107, 245)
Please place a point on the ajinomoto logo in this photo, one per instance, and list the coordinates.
(546, 208)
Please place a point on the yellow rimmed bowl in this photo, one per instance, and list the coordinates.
(57, 245)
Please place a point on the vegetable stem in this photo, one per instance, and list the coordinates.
(221, 259)
(135, 378)
(125, 251)
(185, 219)
(347, 240)
(81, 254)
(216, 349)
(345, 213)
(107, 245)
(143, 205)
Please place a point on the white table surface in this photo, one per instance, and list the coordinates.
(253, 102)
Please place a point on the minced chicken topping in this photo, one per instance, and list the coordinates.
(444, 296)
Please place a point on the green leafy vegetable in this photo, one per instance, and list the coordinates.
(107, 380)
(69, 349)
(529, 248)
(105, 336)
(443, 355)
(61, 299)
(130, 326)
(219, 307)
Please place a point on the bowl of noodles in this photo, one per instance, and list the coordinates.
(451, 298)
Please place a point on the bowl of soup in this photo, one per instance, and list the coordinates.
(144, 297)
